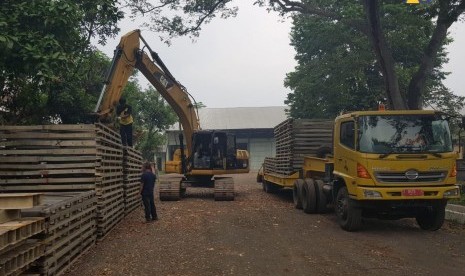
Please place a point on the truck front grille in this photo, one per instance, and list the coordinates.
(401, 177)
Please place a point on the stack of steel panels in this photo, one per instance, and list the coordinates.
(109, 185)
(132, 165)
(296, 138)
(20, 240)
(70, 229)
(66, 158)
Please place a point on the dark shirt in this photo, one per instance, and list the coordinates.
(148, 183)
(122, 107)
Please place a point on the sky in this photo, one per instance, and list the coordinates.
(456, 65)
(243, 61)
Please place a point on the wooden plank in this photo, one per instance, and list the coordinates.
(49, 143)
(85, 151)
(46, 173)
(36, 159)
(47, 166)
(46, 135)
(58, 127)
(48, 188)
(13, 201)
(49, 180)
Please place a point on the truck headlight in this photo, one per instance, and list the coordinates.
(452, 193)
(371, 194)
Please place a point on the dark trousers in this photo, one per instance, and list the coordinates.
(126, 134)
(149, 206)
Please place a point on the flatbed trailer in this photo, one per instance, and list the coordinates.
(311, 191)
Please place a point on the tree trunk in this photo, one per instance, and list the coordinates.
(417, 83)
(448, 14)
(384, 55)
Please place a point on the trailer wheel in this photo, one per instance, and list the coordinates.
(259, 178)
(264, 186)
(309, 196)
(268, 187)
(321, 199)
(348, 215)
(432, 218)
(297, 193)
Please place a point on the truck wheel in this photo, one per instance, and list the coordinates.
(309, 196)
(321, 200)
(432, 217)
(348, 215)
(297, 193)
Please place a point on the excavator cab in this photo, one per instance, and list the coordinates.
(214, 150)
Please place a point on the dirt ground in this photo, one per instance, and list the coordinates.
(262, 234)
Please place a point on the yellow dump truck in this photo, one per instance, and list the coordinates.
(381, 164)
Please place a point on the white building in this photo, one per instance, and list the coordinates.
(253, 127)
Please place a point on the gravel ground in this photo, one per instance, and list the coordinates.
(262, 234)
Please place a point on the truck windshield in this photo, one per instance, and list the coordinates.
(386, 134)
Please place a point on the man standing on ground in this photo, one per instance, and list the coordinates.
(147, 186)
(124, 113)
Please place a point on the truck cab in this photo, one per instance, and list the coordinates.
(393, 164)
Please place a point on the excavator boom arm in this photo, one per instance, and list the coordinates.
(128, 56)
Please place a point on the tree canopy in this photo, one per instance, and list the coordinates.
(48, 66)
(370, 18)
(51, 72)
(359, 52)
(336, 62)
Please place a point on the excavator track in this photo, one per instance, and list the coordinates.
(170, 189)
(224, 189)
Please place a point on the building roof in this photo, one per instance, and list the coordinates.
(240, 117)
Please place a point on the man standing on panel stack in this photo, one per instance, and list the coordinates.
(124, 113)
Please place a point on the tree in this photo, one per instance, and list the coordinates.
(188, 19)
(50, 73)
(47, 64)
(334, 61)
(365, 16)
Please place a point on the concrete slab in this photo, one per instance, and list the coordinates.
(455, 213)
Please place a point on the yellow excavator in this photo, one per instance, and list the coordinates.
(206, 154)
